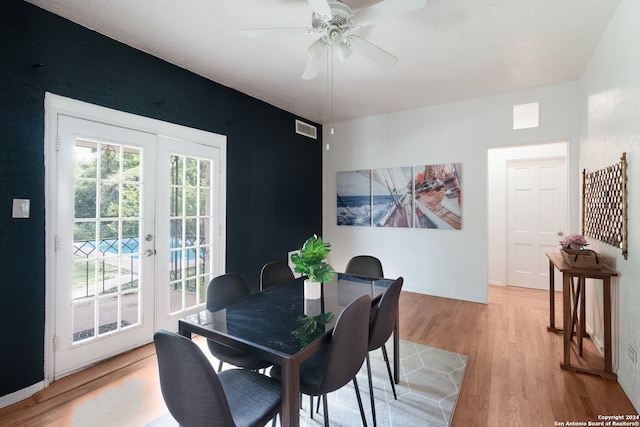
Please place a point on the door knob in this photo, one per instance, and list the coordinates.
(148, 253)
(560, 233)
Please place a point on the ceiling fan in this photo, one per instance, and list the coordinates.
(335, 22)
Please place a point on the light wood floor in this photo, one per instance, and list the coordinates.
(513, 377)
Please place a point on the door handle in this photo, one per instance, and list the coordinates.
(148, 253)
(560, 233)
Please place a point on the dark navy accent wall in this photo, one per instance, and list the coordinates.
(274, 176)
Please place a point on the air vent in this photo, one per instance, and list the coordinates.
(306, 129)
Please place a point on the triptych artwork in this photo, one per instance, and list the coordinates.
(426, 196)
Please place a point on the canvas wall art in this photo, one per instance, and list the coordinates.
(424, 196)
(354, 198)
(392, 197)
(438, 196)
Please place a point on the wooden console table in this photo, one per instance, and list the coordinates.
(573, 310)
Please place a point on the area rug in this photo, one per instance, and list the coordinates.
(430, 381)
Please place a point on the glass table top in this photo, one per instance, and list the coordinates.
(267, 319)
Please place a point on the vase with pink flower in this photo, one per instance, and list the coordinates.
(574, 253)
(573, 241)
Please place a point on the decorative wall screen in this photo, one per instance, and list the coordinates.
(604, 204)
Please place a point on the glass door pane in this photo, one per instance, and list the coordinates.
(106, 224)
(190, 231)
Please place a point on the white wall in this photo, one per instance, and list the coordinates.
(445, 263)
(610, 118)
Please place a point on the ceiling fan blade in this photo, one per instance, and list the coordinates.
(386, 9)
(313, 68)
(275, 32)
(318, 51)
(372, 52)
(321, 7)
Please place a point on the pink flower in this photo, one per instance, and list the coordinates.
(573, 241)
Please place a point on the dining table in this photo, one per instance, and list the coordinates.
(264, 324)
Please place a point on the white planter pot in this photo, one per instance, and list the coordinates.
(312, 307)
(312, 290)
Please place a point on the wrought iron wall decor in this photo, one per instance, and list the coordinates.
(604, 204)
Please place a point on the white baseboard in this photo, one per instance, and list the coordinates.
(596, 341)
(438, 293)
(19, 395)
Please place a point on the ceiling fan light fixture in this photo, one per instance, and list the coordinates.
(343, 51)
(317, 48)
(334, 36)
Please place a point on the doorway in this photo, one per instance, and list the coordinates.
(136, 216)
(502, 257)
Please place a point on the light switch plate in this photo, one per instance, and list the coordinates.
(21, 208)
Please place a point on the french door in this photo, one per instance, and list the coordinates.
(138, 220)
(105, 273)
(188, 219)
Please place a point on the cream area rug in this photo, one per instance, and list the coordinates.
(430, 381)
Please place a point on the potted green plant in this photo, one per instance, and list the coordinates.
(310, 261)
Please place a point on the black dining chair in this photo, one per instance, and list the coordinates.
(364, 265)
(337, 362)
(383, 321)
(222, 291)
(275, 273)
(196, 396)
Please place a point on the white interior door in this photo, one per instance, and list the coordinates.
(105, 274)
(537, 213)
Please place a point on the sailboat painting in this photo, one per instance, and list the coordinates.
(438, 196)
(424, 196)
(354, 198)
(392, 197)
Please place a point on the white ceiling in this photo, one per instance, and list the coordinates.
(449, 51)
